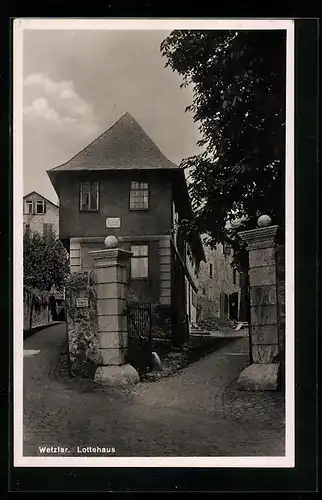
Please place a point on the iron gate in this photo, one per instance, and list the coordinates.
(139, 325)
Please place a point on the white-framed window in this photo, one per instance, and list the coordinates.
(140, 261)
(29, 207)
(40, 207)
(139, 196)
(89, 196)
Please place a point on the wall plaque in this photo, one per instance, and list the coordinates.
(113, 222)
(81, 302)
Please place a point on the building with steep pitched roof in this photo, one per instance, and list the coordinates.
(122, 184)
(40, 214)
(125, 145)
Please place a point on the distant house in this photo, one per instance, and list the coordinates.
(40, 214)
(219, 285)
(122, 184)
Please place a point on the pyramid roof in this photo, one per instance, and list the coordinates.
(124, 146)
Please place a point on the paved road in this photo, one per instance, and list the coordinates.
(197, 412)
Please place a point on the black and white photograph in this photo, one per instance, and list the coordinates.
(153, 243)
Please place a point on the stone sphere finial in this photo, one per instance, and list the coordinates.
(111, 241)
(264, 221)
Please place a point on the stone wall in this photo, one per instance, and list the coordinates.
(82, 324)
(211, 288)
(280, 289)
(40, 317)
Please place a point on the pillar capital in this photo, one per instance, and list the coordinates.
(110, 257)
(262, 237)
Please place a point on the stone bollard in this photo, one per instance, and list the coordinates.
(265, 324)
(111, 290)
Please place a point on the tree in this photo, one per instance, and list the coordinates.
(239, 89)
(45, 264)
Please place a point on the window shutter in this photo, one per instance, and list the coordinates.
(44, 206)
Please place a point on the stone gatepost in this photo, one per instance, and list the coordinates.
(111, 289)
(264, 372)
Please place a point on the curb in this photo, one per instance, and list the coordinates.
(28, 333)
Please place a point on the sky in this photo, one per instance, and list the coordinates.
(76, 84)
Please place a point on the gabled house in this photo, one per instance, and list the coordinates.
(122, 184)
(40, 214)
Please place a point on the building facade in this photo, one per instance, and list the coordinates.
(40, 214)
(219, 285)
(122, 184)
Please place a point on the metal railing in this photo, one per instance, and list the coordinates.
(139, 326)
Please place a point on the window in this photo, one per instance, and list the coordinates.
(210, 270)
(48, 229)
(29, 207)
(89, 196)
(139, 261)
(234, 276)
(40, 207)
(204, 291)
(139, 196)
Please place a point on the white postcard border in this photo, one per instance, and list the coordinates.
(147, 24)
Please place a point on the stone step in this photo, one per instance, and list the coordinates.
(195, 331)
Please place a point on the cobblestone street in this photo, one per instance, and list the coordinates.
(197, 412)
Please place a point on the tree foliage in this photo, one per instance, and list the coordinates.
(45, 263)
(239, 89)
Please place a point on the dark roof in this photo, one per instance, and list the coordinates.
(123, 146)
(41, 196)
